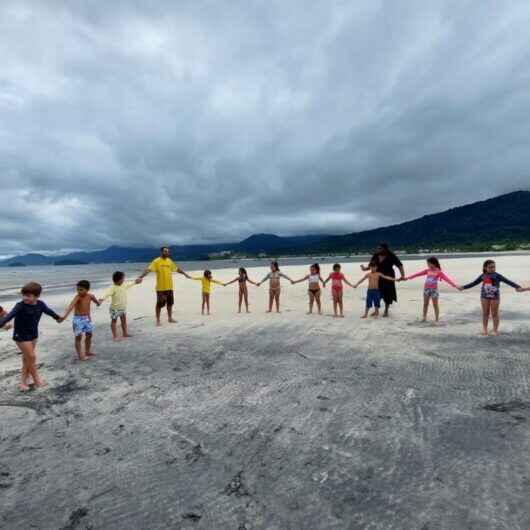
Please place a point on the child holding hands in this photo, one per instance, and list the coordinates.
(313, 287)
(433, 273)
(337, 278)
(82, 323)
(27, 315)
(373, 294)
(490, 294)
(242, 279)
(206, 280)
(118, 305)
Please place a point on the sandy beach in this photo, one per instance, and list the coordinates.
(266, 421)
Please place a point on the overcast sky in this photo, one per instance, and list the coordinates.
(135, 123)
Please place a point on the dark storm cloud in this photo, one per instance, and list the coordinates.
(129, 123)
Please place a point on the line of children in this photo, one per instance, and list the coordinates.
(27, 313)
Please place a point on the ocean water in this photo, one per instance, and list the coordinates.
(58, 279)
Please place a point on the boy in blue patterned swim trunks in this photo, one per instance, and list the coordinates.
(373, 294)
(82, 323)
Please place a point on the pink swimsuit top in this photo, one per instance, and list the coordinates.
(432, 277)
(336, 280)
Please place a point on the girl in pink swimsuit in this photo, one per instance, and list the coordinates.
(433, 273)
(337, 278)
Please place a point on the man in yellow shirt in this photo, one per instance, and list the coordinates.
(164, 267)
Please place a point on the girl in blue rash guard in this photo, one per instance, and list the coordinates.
(490, 294)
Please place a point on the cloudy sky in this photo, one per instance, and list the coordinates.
(133, 122)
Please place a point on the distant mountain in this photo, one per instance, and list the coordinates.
(503, 220)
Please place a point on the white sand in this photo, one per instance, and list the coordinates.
(269, 420)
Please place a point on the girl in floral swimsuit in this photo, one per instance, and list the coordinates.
(433, 273)
(490, 294)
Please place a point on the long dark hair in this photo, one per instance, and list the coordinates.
(485, 265)
(275, 266)
(315, 266)
(433, 260)
(386, 249)
(243, 272)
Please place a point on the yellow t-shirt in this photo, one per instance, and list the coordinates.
(163, 267)
(119, 295)
(206, 283)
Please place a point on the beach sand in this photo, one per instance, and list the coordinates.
(267, 421)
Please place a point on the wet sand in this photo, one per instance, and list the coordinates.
(274, 421)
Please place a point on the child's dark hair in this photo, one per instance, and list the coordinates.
(316, 266)
(336, 267)
(33, 288)
(372, 263)
(163, 248)
(118, 276)
(275, 266)
(207, 273)
(243, 271)
(486, 264)
(84, 284)
(433, 260)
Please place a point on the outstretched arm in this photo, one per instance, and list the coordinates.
(70, 308)
(282, 275)
(183, 272)
(145, 273)
(416, 275)
(296, 281)
(389, 278)
(344, 279)
(448, 280)
(233, 281)
(508, 282)
(95, 300)
(326, 280)
(360, 281)
(9, 316)
(473, 283)
(47, 311)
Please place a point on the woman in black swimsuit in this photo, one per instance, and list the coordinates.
(386, 261)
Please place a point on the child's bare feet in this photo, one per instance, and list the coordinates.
(41, 383)
(158, 323)
(126, 336)
(117, 339)
(341, 316)
(484, 333)
(90, 354)
(496, 332)
(23, 387)
(364, 316)
(172, 321)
